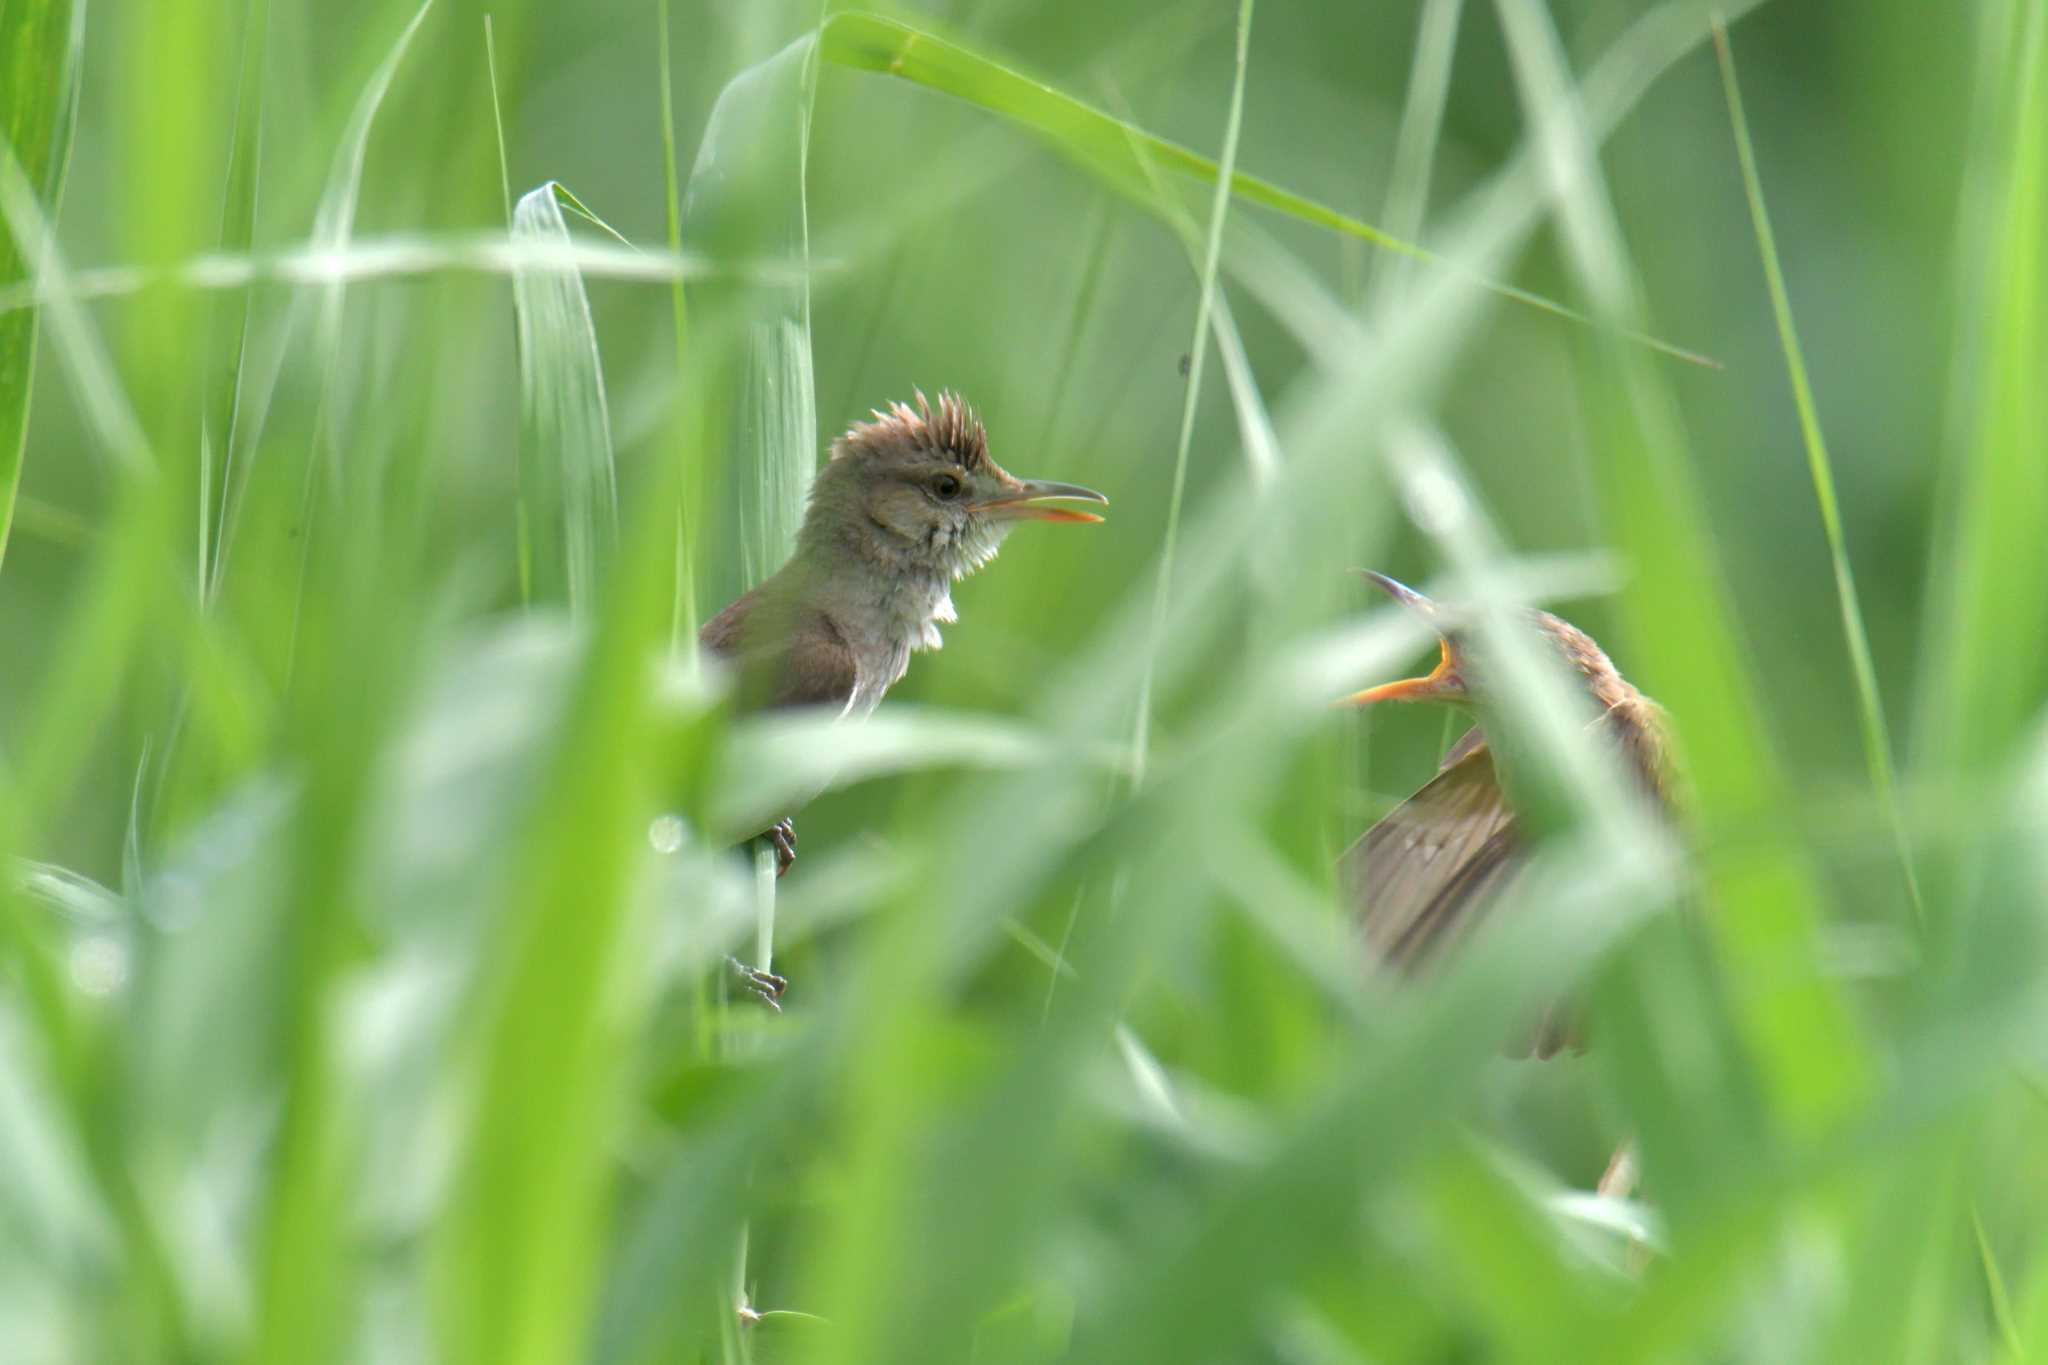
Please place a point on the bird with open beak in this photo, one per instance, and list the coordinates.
(1428, 871)
(907, 504)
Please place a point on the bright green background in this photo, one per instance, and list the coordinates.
(349, 1010)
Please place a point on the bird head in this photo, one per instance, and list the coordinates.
(1456, 680)
(917, 486)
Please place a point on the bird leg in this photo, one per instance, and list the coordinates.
(766, 987)
(782, 836)
(1619, 1179)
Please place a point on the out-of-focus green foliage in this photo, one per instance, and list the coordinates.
(39, 50)
(365, 819)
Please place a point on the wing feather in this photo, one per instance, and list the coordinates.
(1416, 877)
(786, 655)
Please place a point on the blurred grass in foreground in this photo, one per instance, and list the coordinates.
(367, 837)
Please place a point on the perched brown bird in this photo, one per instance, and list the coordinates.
(908, 503)
(1423, 876)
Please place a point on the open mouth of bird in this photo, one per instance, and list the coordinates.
(1036, 501)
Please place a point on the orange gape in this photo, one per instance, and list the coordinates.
(1429, 870)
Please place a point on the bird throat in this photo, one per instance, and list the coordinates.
(886, 600)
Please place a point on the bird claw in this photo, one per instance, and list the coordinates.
(766, 987)
(782, 836)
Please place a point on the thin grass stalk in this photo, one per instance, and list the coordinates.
(1995, 1291)
(1141, 736)
(221, 419)
(683, 612)
(498, 120)
(1877, 745)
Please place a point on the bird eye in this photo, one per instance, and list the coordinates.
(946, 486)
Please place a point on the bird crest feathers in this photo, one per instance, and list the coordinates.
(951, 428)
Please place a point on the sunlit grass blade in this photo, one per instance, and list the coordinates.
(367, 259)
(1877, 744)
(568, 488)
(40, 43)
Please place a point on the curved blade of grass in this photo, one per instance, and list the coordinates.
(568, 492)
(40, 45)
(869, 42)
(747, 186)
(332, 233)
(1877, 744)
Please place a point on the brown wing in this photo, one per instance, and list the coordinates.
(1418, 878)
(785, 657)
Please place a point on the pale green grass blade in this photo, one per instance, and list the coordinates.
(568, 487)
(1422, 116)
(518, 1250)
(1994, 1284)
(332, 233)
(498, 120)
(228, 328)
(683, 614)
(1989, 578)
(40, 42)
(1877, 744)
(367, 259)
(334, 223)
(747, 187)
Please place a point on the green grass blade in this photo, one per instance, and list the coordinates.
(40, 44)
(1989, 589)
(568, 488)
(869, 42)
(228, 329)
(1877, 744)
(748, 187)
(1422, 117)
(683, 612)
(498, 121)
(1198, 350)
(518, 1250)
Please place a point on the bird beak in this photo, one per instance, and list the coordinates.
(1443, 683)
(1026, 501)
